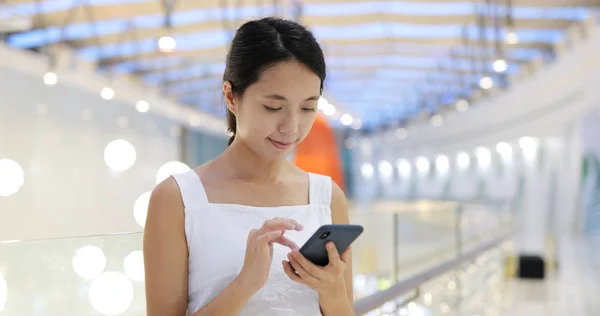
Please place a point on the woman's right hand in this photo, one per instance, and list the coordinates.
(259, 250)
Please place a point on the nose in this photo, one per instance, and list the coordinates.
(289, 123)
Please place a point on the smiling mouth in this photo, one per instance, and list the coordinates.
(281, 145)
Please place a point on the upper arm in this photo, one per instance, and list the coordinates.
(339, 215)
(165, 252)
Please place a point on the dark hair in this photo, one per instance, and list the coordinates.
(260, 44)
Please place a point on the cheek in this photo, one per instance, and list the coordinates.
(305, 125)
(257, 124)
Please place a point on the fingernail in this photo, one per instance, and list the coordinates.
(330, 245)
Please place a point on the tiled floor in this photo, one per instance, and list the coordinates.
(573, 290)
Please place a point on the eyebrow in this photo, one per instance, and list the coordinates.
(282, 98)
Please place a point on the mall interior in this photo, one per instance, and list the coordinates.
(464, 134)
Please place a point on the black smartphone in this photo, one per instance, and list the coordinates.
(341, 235)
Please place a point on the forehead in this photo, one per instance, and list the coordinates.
(290, 79)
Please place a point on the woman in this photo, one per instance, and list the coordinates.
(220, 239)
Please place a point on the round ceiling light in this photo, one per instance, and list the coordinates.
(500, 65)
(346, 119)
(50, 78)
(462, 105)
(142, 106)
(486, 83)
(107, 93)
(511, 38)
(167, 44)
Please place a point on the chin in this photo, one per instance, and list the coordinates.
(278, 155)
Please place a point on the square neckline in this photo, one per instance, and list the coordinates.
(311, 195)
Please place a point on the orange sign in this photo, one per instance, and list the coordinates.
(318, 153)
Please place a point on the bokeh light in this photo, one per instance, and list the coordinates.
(404, 167)
(133, 265)
(111, 293)
(89, 262)
(140, 208)
(12, 177)
(422, 164)
(3, 292)
(442, 163)
(463, 160)
(385, 169)
(119, 155)
(169, 169)
(367, 170)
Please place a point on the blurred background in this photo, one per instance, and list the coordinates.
(466, 135)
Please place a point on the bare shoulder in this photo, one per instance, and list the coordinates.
(166, 195)
(339, 205)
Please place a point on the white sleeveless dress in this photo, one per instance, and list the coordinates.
(216, 237)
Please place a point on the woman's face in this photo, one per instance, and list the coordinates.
(277, 112)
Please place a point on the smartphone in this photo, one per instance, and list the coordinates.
(341, 235)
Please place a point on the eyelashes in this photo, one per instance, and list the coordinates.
(270, 109)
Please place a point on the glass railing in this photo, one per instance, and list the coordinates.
(94, 275)
(470, 284)
(103, 275)
(401, 240)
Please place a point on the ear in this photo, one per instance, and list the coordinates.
(229, 99)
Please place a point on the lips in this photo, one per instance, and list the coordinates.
(281, 145)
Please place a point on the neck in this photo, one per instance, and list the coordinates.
(244, 163)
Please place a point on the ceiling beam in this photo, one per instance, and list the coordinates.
(168, 85)
(321, 21)
(529, 3)
(135, 9)
(211, 55)
(442, 45)
(426, 20)
(131, 10)
(441, 41)
(199, 60)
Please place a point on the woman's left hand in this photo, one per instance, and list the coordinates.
(325, 280)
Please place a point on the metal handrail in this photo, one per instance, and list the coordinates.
(378, 299)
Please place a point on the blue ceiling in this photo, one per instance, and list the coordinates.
(394, 82)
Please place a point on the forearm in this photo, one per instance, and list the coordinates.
(230, 301)
(336, 303)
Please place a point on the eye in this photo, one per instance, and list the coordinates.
(270, 109)
(309, 109)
